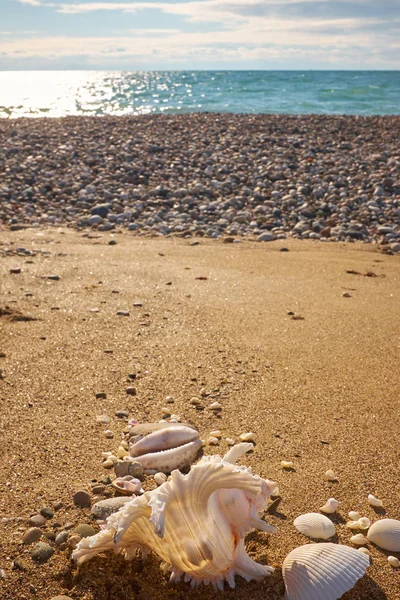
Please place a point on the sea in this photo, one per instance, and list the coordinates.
(61, 93)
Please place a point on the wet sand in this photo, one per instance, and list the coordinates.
(321, 390)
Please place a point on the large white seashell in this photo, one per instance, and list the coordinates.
(196, 523)
(315, 526)
(385, 534)
(330, 506)
(168, 460)
(322, 571)
(374, 501)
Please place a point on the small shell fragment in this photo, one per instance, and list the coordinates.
(215, 406)
(107, 464)
(354, 516)
(247, 437)
(160, 478)
(213, 441)
(330, 506)
(364, 523)
(364, 550)
(287, 464)
(373, 501)
(330, 475)
(385, 534)
(108, 433)
(217, 434)
(322, 571)
(359, 539)
(315, 526)
(230, 441)
(353, 525)
(394, 562)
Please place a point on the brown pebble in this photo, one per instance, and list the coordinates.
(37, 520)
(101, 395)
(82, 499)
(131, 391)
(15, 271)
(32, 535)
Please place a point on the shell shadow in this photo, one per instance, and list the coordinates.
(379, 510)
(365, 588)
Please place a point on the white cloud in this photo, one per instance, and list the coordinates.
(31, 2)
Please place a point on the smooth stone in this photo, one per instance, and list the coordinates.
(131, 391)
(126, 467)
(32, 535)
(94, 220)
(46, 512)
(101, 396)
(61, 598)
(265, 237)
(61, 538)
(103, 509)
(104, 419)
(58, 505)
(82, 499)
(41, 552)
(37, 520)
(85, 530)
(122, 414)
(98, 489)
(101, 209)
(123, 313)
(53, 277)
(395, 247)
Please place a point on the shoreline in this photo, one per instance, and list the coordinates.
(206, 174)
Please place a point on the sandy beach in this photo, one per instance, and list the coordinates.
(318, 387)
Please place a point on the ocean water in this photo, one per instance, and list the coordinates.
(60, 93)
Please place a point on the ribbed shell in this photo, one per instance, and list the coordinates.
(315, 526)
(322, 571)
(385, 534)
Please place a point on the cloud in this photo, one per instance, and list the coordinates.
(31, 2)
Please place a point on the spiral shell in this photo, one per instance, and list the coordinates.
(322, 571)
(315, 526)
(385, 534)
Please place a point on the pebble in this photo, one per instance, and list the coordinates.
(265, 237)
(15, 271)
(122, 414)
(100, 396)
(74, 540)
(215, 406)
(41, 552)
(213, 441)
(37, 520)
(230, 441)
(247, 437)
(32, 535)
(104, 419)
(3, 574)
(346, 295)
(53, 277)
(160, 478)
(58, 505)
(103, 509)
(123, 313)
(125, 467)
(108, 433)
(82, 499)
(98, 489)
(85, 530)
(131, 391)
(61, 538)
(46, 512)
(61, 598)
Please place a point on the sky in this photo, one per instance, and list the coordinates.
(199, 34)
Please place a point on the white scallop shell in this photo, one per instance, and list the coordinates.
(385, 534)
(315, 526)
(322, 571)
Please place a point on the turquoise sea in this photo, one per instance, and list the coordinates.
(59, 93)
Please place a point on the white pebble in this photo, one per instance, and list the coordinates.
(364, 551)
(354, 516)
(160, 478)
(217, 434)
(107, 464)
(230, 441)
(394, 562)
(122, 452)
(247, 437)
(330, 475)
(108, 433)
(359, 539)
(215, 406)
(287, 464)
(374, 501)
(213, 441)
(169, 400)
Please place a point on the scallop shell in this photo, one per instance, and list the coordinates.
(315, 526)
(385, 534)
(196, 523)
(322, 571)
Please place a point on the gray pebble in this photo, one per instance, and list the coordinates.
(123, 313)
(41, 552)
(104, 419)
(98, 489)
(101, 396)
(82, 499)
(46, 512)
(61, 538)
(85, 530)
(122, 414)
(103, 509)
(266, 237)
(125, 467)
(32, 535)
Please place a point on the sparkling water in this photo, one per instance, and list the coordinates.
(60, 93)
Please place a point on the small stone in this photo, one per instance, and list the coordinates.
(85, 530)
(112, 242)
(195, 401)
(61, 538)
(122, 414)
(37, 521)
(74, 541)
(98, 489)
(82, 499)
(61, 598)
(103, 509)
(108, 433)
(15, 271)
(230, 441)
(394, 562)
(53, 277)
(213, 441)
(160, 478)
(215, 406)
(169, 400)
(101, 395)
(247, 437)
(123, 313)
(217, 434)
(3, 574)
(32, 535)
(132, 376)
(283, 249)
(125, 467)
(346, 295)
(16, 565)
(47, 512)
(108, 463)
(41, 552)
(131, 391)
(58, 505)
(266, 237)
(137, 304)
(395, 247)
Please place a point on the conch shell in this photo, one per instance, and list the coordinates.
(196, 523)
